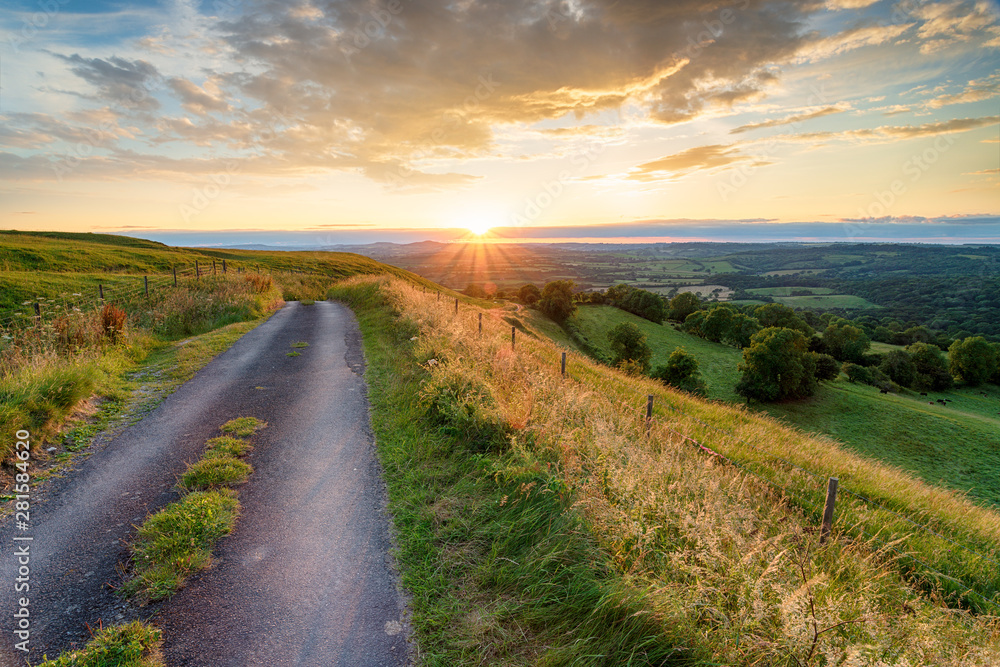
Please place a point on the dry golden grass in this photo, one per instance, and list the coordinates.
(728, 559)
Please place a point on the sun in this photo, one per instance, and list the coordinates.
(479, 227)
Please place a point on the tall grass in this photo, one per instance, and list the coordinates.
(726, 564)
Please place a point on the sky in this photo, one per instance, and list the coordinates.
(351, 121)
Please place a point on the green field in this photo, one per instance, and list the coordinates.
(717, 362)
(956, 446)
(825, 302)
(787, 291)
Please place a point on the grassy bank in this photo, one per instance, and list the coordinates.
(538, 525)
(131, 645)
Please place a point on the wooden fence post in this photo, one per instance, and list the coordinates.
(223, 266)
(831, 499)
(649, 413)
(562, 370)
(175, 275)
(480, 324)
(213, 267)
(38, 314)
(145, 284)
(100, 292)
(197, 270)
(456, 305)
(513, 333)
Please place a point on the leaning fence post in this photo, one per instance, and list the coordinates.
(513, 333)
(562, 370)
(224, 266)
(649, 413)
(480, 324)
(145, 284)
(456, 305)
(831, 499)
(100, 292)
(175, 275)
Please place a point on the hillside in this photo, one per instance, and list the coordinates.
(957, 446)
(542, 522)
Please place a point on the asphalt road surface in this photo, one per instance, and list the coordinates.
(305, 579)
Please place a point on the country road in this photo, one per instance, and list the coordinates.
(305, 579)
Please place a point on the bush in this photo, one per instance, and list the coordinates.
(827, 367)
(681, 372)
(112, 322)
(528, 294)
(972, 360)
(628, 343)
(857, 373)
(899, 367)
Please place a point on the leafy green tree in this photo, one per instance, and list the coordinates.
(628, 344)
(846, 342)
(780, 315)
(742, 327)
(717, 323)
(930, 367)
(857, 373)
(777, 365)
(557, 300)
(827, 367)
(528, 294)
(683, 305)
(899, 366)
(972, 360)
(681, 371)
(693, 322)
(475, 290)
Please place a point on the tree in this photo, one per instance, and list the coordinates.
(930, 367)
(742, 327)
(846, 342)
(777, 366)
(528, 294)
(972, 360)
(557, 300)
(681, 371)
(780, 315)
(683, 305)
(716, 323)
(900, 368)
(628, 344)
(475, 290)
(827, 367)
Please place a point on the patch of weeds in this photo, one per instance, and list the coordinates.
(178, 540)
(301, 343)
(243, 426)
(226, 445)
(293, 354)
(307, 302)
(133, 645)
(214, 472)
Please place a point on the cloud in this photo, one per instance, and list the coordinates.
(947, 23)
(788, 120)
(820, 48)
(710, 157)
(888, 133)
(126, 83)
(975, 91)
(195, 99)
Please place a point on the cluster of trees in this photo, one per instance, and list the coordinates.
(631, 353)
(643, 303)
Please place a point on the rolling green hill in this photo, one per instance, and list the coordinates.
(957, 446)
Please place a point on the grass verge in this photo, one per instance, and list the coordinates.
(537, 524)
(132, 645)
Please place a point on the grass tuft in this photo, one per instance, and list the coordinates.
(300, 344)
(293, 354)
(243, 426)
(214, 472)
(133, 645)
(178, 540)
(226, 445)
